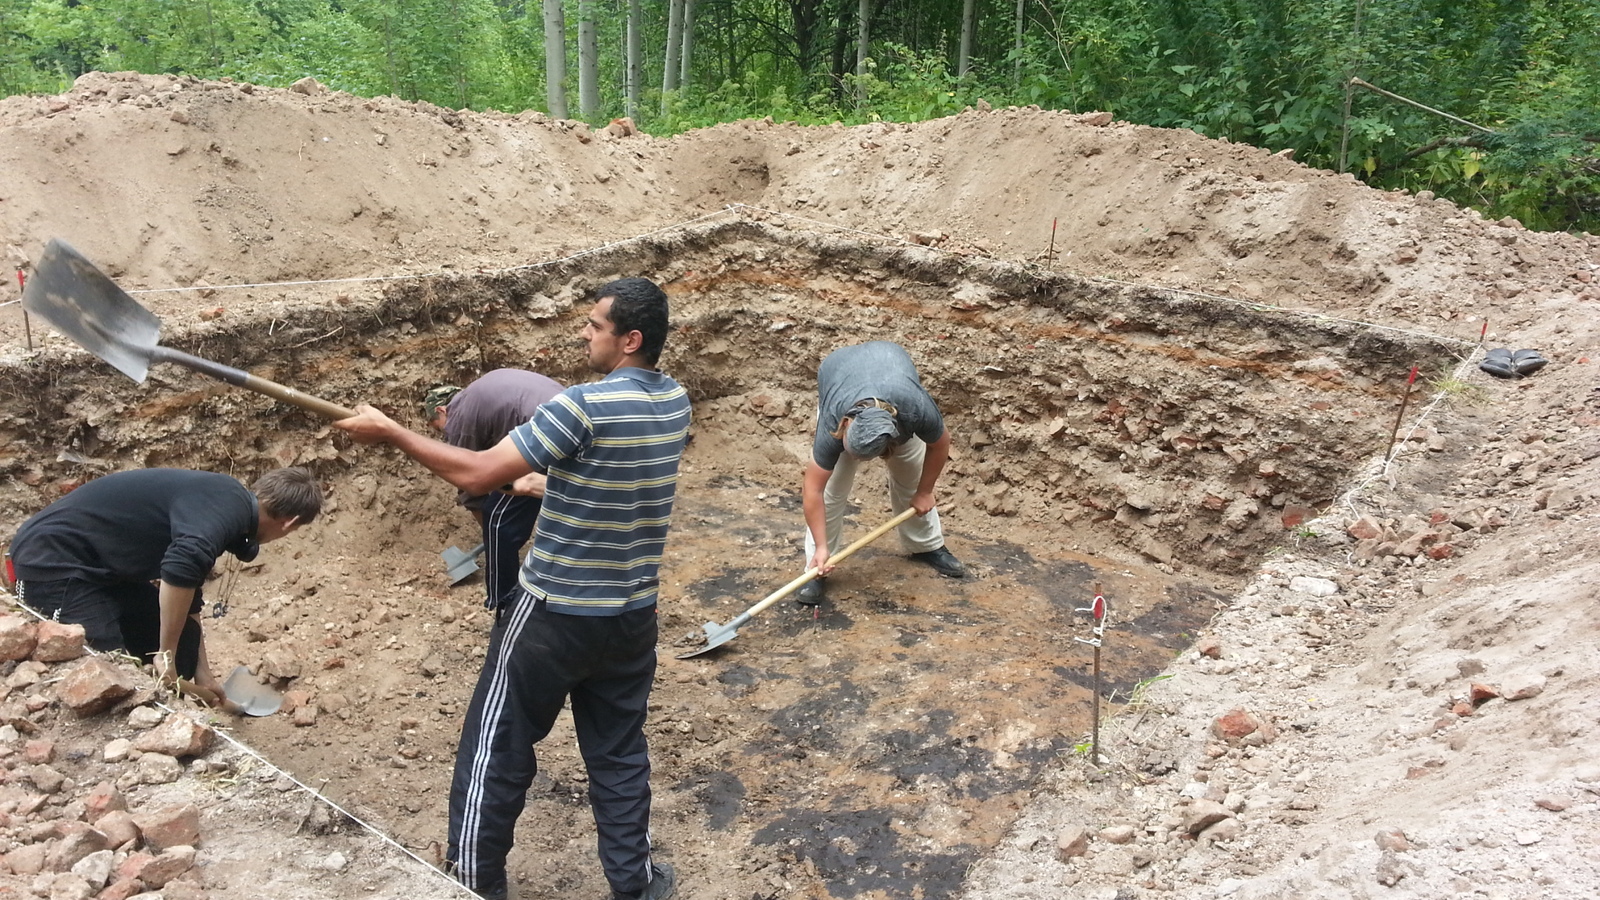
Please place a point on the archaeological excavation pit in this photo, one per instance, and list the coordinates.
(1156, 443)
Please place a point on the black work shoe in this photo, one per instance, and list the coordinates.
(811, 593)
(1499, 363)
(1527, 362)
(943, 561)
(663, 883)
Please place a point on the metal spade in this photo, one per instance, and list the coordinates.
(253, 697)
(67, 291)
(717, 635)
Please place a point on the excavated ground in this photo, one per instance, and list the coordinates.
(1424, 730)
(888, 742)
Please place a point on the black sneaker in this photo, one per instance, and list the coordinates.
(663, 883)
(943, 561)
(811, 593)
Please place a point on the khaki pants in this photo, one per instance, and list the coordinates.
(918, 535)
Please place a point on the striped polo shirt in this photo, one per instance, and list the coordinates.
(611, 449)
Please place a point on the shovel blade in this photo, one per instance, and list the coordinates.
(255, 698)
(79, 301)
(459, 564)
(716, 636)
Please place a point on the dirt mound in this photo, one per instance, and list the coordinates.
(1443, 690)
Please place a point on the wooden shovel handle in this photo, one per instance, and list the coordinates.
(841, 556)
(241, 378)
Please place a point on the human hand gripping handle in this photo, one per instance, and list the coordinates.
(813, 572)
(367, 426)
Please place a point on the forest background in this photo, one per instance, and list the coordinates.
(1493, 104)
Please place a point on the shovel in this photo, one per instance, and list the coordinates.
(717, 635)
(253, 697)
(67, 291)
(459, 564)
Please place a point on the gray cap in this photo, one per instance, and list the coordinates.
(870, 432)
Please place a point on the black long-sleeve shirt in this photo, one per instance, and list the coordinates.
(140, 525)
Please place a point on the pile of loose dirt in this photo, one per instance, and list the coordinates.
(1418, 732)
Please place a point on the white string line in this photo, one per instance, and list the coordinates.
(1384, 463)
(240, 745)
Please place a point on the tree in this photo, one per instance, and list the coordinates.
(634, 66)
(687, 52)
(968, 25)
(588, 61)
(555, 58)
(669, 75)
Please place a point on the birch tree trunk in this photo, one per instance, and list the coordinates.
(669, 77)
(964, 60)
(1016, 46)
(588, 61)
(555, 58)
(688, 43)
(634, 68)
(863, 35)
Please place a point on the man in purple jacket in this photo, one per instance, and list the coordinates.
(477, 417)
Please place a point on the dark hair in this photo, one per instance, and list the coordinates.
(289, 493)
(637, 304)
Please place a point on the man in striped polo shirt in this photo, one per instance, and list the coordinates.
(584, 624)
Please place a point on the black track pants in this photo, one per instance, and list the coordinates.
(508, 522)
(536, 659)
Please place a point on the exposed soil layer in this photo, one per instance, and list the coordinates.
(1197, 375)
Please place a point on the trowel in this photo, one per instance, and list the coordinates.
(253, 697)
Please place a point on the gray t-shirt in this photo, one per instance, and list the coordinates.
(487, 409)
(876, 369)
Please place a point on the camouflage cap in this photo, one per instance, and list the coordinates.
(437, 397)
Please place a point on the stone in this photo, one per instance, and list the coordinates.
(18, 637)
(68, 886)
(177, 736)
(94, 686)
(78, 841)
(58, 642)
(143, 718)
(1072, 841)
(1316, 587)
(157, 768)
(94, 868)
(1237, 725)
(1392, 839)
(104, 798)
(1202, 814)
(118, 827)
(1552, 802)
(172, 826)
(46, 779)
(116, 750)
(26, 860)
(39, 751)
(171, 863)
(1118, 834)
(1224, 830)
(122, 889)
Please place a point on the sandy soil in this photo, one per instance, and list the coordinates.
(920, 738)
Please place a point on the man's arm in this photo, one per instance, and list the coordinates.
(210, 689)
(816, 478)
(476, 472)
(175, 602)
(933, 461)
